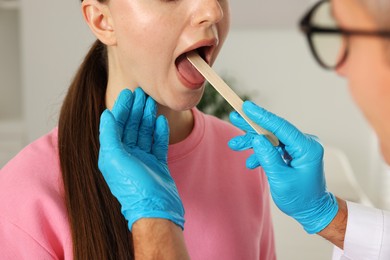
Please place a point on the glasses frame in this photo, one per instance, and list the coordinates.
(309, 30)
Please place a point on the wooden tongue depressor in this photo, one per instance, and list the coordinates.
(227, 93)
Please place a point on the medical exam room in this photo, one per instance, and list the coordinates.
(265, 58)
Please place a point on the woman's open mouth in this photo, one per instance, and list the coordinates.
(188, 74)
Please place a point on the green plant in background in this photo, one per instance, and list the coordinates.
(214, 104)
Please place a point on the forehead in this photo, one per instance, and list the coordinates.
(352, 14)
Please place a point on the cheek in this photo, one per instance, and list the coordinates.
(364, 72)
(371, 92)
(139, 29)
(144, 49)
(139, 37)
(358, 93)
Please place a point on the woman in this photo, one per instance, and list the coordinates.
(66, 208)
(361, 29)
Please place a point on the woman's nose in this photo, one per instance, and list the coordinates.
(207, 12)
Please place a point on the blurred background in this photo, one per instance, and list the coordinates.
(42, 43)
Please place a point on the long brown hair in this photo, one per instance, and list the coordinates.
(99, 231)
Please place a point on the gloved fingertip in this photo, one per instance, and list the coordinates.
(140, 97)
(105, 118)
(234, 115)
(108, 132)
(232, 143)
(248, 165)
(128, 96)
(161, 139)
(162, 125)
(124, 96)
(139, 91)
(126, 92)
(151, 105)
(251, 164)
(104, 113)
(252, 110)
(249, 105)
(160, 118)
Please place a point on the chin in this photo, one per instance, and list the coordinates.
(179, 105)
(184, 106)
(187, 101)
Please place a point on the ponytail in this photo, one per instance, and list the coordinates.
(99, 231)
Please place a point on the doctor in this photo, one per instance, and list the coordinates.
(361, 31)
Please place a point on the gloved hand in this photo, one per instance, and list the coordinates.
(133, 159)
(298, 187)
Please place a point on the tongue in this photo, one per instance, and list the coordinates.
(189, 72)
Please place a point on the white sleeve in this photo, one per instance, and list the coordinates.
(338, 254)
(367, 235)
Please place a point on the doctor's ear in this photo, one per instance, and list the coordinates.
(98, 17)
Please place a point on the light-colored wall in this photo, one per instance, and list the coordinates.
(11, 129)
(267, 13)
(9, 66)
(54, 42)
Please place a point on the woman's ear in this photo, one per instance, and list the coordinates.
(98, 17)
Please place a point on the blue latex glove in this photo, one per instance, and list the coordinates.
(298, 187)
(133, 159)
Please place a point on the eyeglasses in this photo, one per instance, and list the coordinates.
(328, 43)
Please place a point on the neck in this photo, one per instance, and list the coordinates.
(181, 123)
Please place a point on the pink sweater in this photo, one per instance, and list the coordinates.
(227, 206)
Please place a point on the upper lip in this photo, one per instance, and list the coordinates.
(207, 46)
